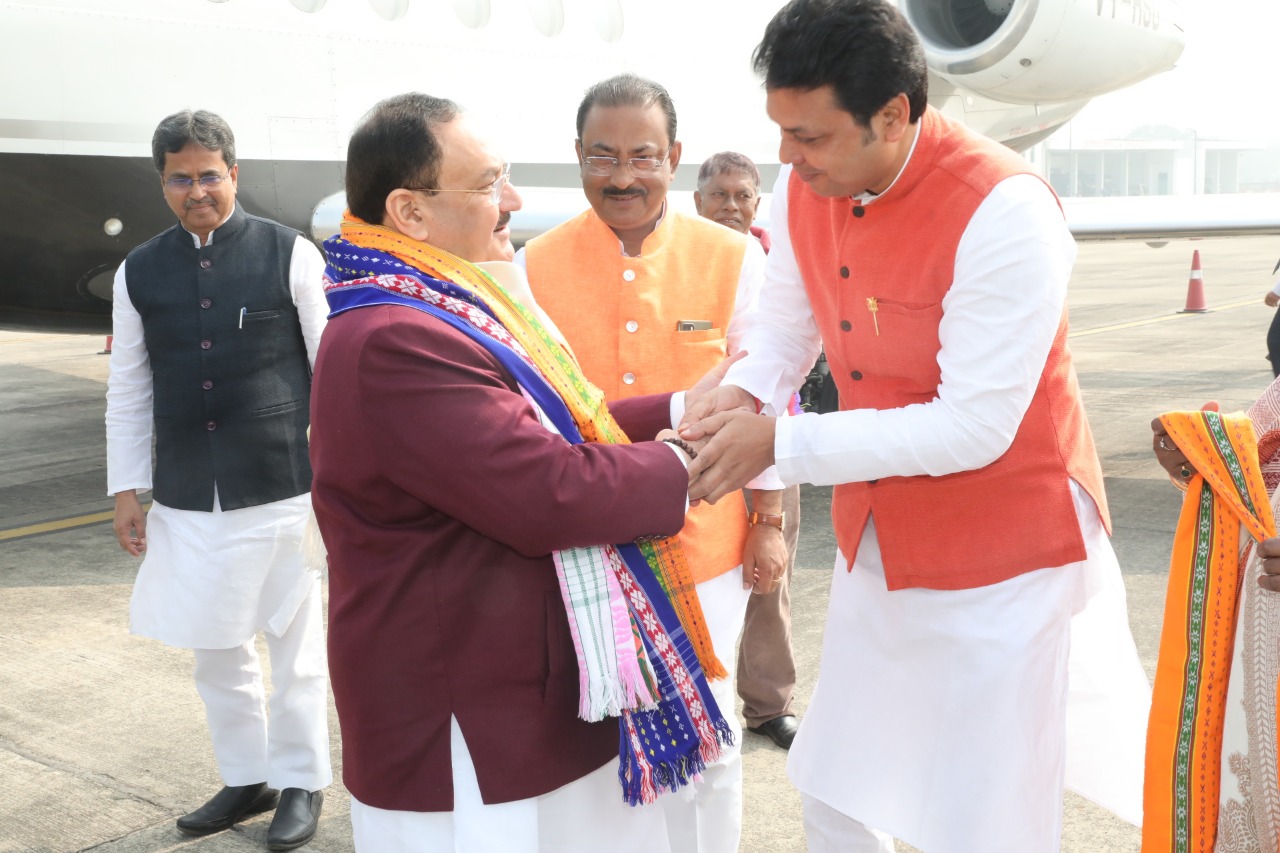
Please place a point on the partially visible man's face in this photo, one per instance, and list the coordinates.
(730, 198)
(199, 209)
(826, 147)
(630, 204)
(470, 225)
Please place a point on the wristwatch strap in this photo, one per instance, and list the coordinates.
(778, 521)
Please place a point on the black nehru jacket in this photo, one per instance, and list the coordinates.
(232, 393)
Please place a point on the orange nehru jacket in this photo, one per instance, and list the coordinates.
(619, 314)
(971, 528)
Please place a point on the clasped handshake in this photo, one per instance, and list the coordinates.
(733, 443)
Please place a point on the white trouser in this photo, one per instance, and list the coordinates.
(291, 750)
(829, 831)
(706, 816)
(584, 816)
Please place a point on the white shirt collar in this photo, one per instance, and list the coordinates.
(661, 215)
(868, 196)
(196, 237)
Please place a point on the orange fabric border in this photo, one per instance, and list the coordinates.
(1184, 734)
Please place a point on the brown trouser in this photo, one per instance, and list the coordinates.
(766, 667)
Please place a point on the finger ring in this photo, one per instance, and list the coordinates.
(1185, 472)
(1164, 446)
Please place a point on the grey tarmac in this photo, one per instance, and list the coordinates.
(102, 735)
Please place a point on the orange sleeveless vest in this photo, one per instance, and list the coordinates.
(971, 528)
(619, 315)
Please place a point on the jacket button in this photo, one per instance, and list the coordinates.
(629, 378)
(205, 263)
(206, 303)
(207, 384)
(211, 426)
(845, 325)
(844, 272)
(206, 344)
(859, 211)
(855, 374)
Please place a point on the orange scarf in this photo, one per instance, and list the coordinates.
(1188, 704)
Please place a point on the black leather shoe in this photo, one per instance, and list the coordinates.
(296, 820)
(780, 730)
(228, 806)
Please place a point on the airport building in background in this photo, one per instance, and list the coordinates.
(1160, 161)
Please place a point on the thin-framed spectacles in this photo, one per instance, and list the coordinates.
(603, 167)
(494, 190)
(182, 185)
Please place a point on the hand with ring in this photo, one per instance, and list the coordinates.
(1169, 455)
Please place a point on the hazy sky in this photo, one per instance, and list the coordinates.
(1225, 85)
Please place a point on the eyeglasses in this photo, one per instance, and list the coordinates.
(209, 182)
(494, 190)
(602, 167)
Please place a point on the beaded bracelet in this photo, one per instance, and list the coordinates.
(683, 445)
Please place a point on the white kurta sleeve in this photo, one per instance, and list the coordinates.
(129, 396)
(780, 335)
(750, 283)
(999, 321)
(306, 274)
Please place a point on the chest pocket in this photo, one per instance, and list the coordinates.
(907, 345)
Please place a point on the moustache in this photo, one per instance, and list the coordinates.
(502, 221)
(187, 205)
(632, 190)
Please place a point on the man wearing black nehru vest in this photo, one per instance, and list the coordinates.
(216, 324)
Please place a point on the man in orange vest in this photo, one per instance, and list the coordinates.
(645, 296)
(729, 193)
(968, 506)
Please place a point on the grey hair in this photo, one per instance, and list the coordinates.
(206, 129)
(727, 161)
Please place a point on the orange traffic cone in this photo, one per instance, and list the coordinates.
(1195, 288)
(107, 351)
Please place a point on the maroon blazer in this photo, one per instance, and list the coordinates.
(440, 497)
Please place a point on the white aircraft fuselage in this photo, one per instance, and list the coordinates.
(86, 82)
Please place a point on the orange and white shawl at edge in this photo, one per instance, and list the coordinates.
(1184, 734)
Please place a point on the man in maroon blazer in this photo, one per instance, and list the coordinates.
(441, 495)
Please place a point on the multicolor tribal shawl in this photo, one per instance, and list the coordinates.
(1184, 734)
(637, 626)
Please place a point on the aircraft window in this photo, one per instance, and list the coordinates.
(308, 5)
(390, 10)
(607, 17)
(473, 13)
(547, 15)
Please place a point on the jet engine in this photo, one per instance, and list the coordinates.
(1045, 51)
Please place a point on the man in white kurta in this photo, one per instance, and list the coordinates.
(941, 714)
(232, 565)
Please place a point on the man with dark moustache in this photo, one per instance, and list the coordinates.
(651, 298)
